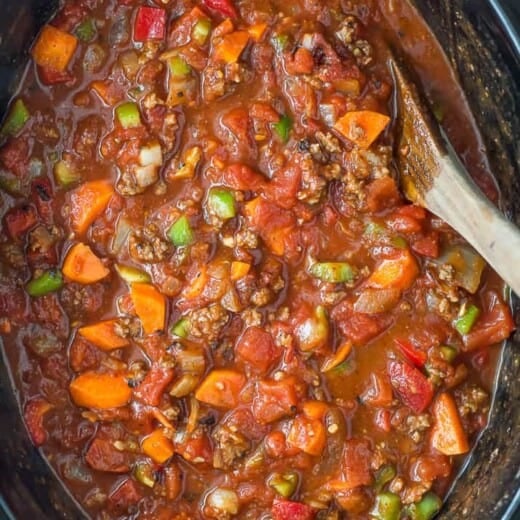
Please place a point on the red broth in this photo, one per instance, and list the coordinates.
(214, 298)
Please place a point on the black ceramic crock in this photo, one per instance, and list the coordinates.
(481, 40)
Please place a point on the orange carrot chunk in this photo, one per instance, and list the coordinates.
(54, 48)
(157, 446)
(231, 46)
(97, 390)
(362, 127)
(103, 335)
(83, 266)
(87, 202)
(448, 435)
(308, 435)
(398, 273)
(150, 306)
(221, 388)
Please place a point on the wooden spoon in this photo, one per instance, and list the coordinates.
(433, 177)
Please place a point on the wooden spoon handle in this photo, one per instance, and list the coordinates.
(455, 198)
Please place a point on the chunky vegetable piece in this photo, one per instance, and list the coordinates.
(217, 300)
(83, 266)
(54, 48)
(100, 390)
(104, 335)
(150, 306)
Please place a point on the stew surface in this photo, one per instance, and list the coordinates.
(215, 301)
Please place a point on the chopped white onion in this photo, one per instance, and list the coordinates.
(121, 233)
(328, 114)
(307, 41)
(146, 175)
(225, 500)
(151, 155)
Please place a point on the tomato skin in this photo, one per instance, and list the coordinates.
(241, 177)
(413, 354)
(123, 496)
(153, 385)
(427, 245)
(288, 510)
(274, 400)
(224, 7)
(51, 77)
(356, 463)
(256, 347)
(493, 326)
(413, 388)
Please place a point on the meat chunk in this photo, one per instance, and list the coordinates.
(229, 446)
(147, 245)
(80, 300)
(207, 322)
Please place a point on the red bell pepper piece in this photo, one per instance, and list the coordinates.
(288, 510)
(413, 354)
(224, 7)
(150, 24)
(411, 385)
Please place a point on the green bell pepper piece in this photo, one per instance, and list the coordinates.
(128, 115)
(86, 30)
(333, 272)
(16, 119)
(181, 233)
(429, 505)
(49, 281)
(283, 128)
(465, 323)
(284, 483)
(179, 68)
(221, 202)
(181, 328)
(387, 506)
(201, 30)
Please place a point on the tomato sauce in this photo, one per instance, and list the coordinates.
(214, 298)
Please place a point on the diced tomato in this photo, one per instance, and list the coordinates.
(196, 449)
(264, 112)
(284, 186)
(356, 463)
(427, 245)
(123, 496)
(224, 7)
(301, 62)
(236, 121)
(411, 211)
(382, 420)
(379, 393)
(257, 348)
(274, 400)
(412, 353)
(153, 385)
(404, 224)
(288, 510)
(382, 193)
(51, 77)
(412, 386)
(359, 328)
(34, 413)
(19, 220)
(103, 456)
(494, 325)
(150, 24)
(41, 192)
(242, 177)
